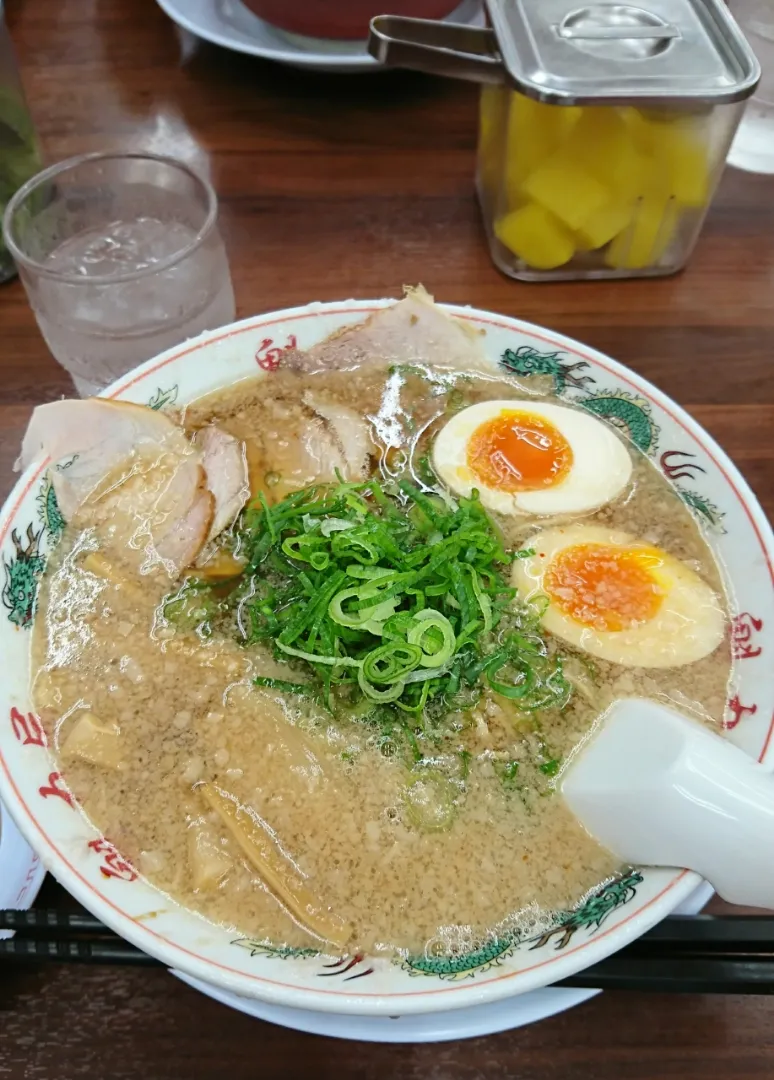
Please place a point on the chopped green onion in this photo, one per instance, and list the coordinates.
(507, 771)
(390, 662)
(427, 621)
(484, 602)
(332, 525)
(391, 601)
(316, 658)
(392, 693)
(357, 618)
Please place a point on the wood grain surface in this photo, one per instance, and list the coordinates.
(333, 187)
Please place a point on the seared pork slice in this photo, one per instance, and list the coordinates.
(130, 472)
(98, 436)
(314, 449)
(169, 490)
(348, 430)
(181, 543)
(74, 425)
(412, 331)
(307, 454)
(225, 465)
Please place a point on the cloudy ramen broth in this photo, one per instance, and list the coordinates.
(407, 833)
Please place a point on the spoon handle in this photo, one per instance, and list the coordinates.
(658, 789)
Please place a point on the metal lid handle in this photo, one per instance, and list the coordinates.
(663, 32)
(461, 52)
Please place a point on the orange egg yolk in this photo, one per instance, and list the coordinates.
(604, 587)
(518, 451)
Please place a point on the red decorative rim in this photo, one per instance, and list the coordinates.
(641, 386)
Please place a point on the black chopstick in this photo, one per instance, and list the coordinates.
(731, 954)
(75, 937)
(53, 923)
(711, 933)
(670, 974)
(112, 951)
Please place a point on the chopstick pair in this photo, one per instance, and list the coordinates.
(65, 937)
(691, 954)
(730, 954)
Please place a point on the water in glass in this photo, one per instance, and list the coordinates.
(99, 331)
(121, 258)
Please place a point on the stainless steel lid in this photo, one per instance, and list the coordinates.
(558, 51)
(660, 51)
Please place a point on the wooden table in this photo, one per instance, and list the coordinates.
(333, 187)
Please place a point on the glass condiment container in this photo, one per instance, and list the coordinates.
(19, 151)
(603, 129)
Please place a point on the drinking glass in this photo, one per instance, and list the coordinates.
(121, 258)
(753, 146)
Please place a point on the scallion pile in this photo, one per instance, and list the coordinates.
(384, 595)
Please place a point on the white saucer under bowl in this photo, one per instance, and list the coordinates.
(21, 871)
(230, 24)
(446, 1026)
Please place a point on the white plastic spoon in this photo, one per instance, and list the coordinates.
(658, 789)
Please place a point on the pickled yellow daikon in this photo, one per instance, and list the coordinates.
(561, 180)
(534, 131)
(647, 237)
(536, 236)
(605, 143)
(601, 227)
(677, 147)
(567, 189)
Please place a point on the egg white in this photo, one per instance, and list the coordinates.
(689, 624)
(600, 470)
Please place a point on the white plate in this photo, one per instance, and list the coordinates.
(21, 871)
(467, 1023)
(230, 24)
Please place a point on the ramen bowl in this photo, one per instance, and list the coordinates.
(95, 871)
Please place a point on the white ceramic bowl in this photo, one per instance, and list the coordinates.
(88, 865)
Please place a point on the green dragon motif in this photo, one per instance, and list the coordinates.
(21, 578)
(50, 514)
(463, 965)
(278, 952)
(162, 398)
(632, 415)
(589, 915)
(528, 361)
(707, 511)
(592, 912)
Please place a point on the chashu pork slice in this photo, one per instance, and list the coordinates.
(412, 331)
(314, 443)
(306, 454)
(225, 466)
(348, 431)
(131, 472)
(184, 539)
(91, 441)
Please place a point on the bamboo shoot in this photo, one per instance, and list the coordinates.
(260, 848)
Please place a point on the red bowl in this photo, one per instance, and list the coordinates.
(342, 19)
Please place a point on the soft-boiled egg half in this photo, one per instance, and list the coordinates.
(530, 457)
(620, 598)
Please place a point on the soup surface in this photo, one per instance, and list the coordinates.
(363, 824)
